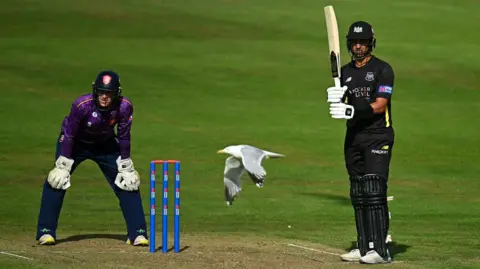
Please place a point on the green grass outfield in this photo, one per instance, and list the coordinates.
(206, 74)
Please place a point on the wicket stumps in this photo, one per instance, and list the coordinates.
(389, 237)
(176, 220)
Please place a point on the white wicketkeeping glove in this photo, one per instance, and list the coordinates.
(341, 111)
(59, 177)
(335, 94)
(127, 178)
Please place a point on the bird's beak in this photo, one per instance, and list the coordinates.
(220, 151)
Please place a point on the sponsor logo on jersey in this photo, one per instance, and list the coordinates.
(385, 89)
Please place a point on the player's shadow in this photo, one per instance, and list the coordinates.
(74, 238)
(343, 200)
(119, 237)
(159, 249)
(394, 247)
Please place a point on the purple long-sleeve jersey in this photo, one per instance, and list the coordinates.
(87, 124)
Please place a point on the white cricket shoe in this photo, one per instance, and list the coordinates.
(389, 239)
(372, 257)
(352, 256)
(139, 241)
(46, 239)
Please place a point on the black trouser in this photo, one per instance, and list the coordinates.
(368, 153)
(367, 158)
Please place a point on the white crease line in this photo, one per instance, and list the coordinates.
(15, 255)
(326, 252)
(76, 252)
(312, 249)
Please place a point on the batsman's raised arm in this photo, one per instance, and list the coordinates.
(379, 106)
(381, 95)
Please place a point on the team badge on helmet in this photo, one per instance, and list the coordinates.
(106, 79)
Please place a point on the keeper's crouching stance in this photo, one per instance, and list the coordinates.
(87, 133)
(364, 99)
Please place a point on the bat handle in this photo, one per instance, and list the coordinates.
(337, 82)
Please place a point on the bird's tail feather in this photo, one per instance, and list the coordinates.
(273, 154)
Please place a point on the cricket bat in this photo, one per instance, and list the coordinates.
(333, 43)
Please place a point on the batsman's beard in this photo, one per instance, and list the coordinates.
(359, 54)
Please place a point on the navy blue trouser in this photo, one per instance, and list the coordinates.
(105, 155)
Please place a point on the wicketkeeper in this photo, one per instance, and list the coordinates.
(364, 99)
(87, 133)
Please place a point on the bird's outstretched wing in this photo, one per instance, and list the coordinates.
(231, 178)
(252, 161)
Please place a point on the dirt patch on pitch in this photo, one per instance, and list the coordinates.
(206, 251)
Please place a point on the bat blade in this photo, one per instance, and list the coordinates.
(333, 43)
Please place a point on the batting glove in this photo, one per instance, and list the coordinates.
(335, 94)
(341, 111)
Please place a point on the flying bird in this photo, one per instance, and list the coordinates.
(243, 158)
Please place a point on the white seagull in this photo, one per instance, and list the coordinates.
(244, 158)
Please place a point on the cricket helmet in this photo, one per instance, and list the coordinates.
(363, 31)
(107, 81)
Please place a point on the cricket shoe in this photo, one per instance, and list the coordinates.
(139, 241)
(46, 239)
(352, 256)
(372, 257)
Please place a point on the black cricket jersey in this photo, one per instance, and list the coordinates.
(375, 79)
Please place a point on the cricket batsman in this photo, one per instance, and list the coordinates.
(87, 133)
(364, 99)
